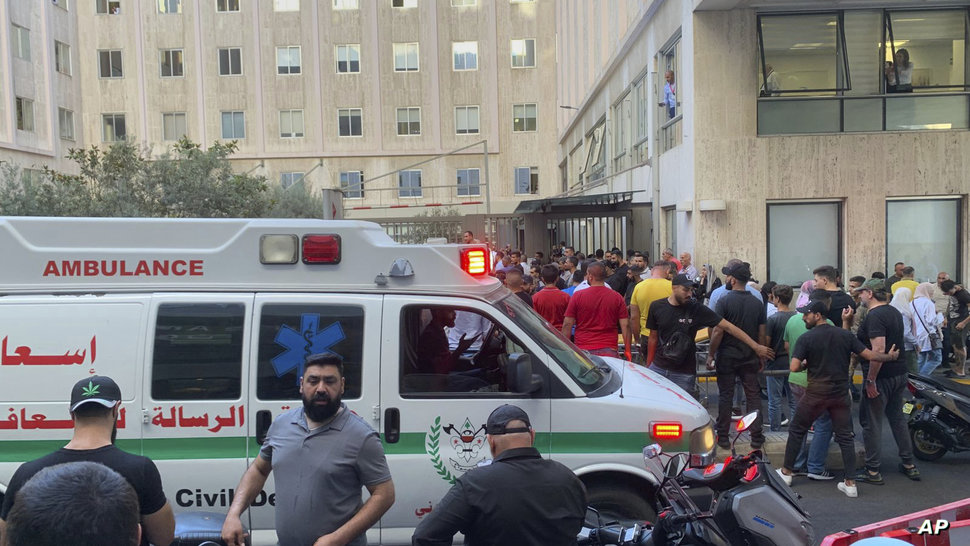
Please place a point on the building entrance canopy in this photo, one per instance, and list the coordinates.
(605, 202)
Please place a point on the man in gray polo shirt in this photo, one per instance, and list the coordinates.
(322, 455)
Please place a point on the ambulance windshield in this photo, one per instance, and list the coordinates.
(587, 374)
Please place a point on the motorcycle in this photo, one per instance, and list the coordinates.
(939, 416)
(747, 505)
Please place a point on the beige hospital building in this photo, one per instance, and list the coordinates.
(793, 133)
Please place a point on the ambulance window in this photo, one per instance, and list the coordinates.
(198, 351)
(288, 333)
(432, 363)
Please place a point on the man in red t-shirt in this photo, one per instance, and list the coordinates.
(595, 312)
(551, 302)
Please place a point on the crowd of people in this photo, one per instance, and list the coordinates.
(799, 347)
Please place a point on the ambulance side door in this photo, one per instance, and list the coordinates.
(434, 419)
(194, 414)
(288, 328)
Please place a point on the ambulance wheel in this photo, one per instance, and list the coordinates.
(927, 446)
(618, 501)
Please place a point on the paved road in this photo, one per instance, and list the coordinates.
(943, 481)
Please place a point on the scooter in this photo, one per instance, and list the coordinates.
(749, 505)
(939, 416)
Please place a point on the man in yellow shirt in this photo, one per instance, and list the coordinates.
(647, 291)
(907, 281)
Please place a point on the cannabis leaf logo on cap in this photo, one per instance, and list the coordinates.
(91, 389)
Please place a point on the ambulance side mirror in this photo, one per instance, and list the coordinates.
(521, 378)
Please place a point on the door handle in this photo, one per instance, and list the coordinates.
(264, 418)
(392, 425)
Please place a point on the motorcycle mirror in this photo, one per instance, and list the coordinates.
(747, 421)
(675, 466)
(652, 451)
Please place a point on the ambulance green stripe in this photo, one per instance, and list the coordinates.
(412, 443)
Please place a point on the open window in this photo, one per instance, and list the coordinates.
(435, 360)
(802, 54)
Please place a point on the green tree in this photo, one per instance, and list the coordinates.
(125, 180)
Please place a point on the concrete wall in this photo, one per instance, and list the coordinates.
(733, 163)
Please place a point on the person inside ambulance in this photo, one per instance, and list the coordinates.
(434, 352)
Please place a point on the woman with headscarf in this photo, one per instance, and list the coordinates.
(803, 293)
(900, 301)
(927, 321)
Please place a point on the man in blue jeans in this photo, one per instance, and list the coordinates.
(780, 296)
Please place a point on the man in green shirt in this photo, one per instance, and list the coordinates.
(810, 460)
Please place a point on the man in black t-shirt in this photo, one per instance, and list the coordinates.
(826, 278)
(680, 315)
(824, 351)
(885, 382)
(958, 318)
(95, 404)
(734, 358)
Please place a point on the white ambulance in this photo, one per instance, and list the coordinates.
(205, 325)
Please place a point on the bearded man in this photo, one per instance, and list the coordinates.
(322, 455)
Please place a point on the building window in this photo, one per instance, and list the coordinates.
(25, 114)
(404, 3)
(108, 7)
(526, 180)
(465, 54)
(169, 6)
(109, 63)
(922, 47)
(348, 58)
(21, 42)
(288, 60)
(171, 62)
(352, 184)
(670, 227)
(802, 53)
(406, 57)
(233, 125)
(113, 128)
(521, 1)
(62, 58)
(291, 123)
(345, 4)
(793, 263)
(65, 119)
(523, 117)
(286, 5)
(173, 126)
(409, 184)
(466, 120)
(408, 121)
(349, 122)
(925, 234)
(523, 53)
(61, 4)
(468, 182)
(224, 6)
(463, 3)
(288, 179)
(230, 62)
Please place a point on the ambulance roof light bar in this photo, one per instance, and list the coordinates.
(474, 261)
(278, 249)
(321, 249)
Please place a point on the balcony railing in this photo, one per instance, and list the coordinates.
(860, 114)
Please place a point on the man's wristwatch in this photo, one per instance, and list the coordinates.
(870, 380)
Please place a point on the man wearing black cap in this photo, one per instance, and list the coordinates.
(520, 498)
(95, 403)
(824, 351)
(673, 323)
(734, 358)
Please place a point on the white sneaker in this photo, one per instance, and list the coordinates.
(784, 477)
(850, 491)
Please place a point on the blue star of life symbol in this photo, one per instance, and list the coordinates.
(308, 341)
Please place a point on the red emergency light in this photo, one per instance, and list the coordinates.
(321, 249)
(667, 431)
(474, 261)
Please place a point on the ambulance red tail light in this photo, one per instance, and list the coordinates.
(474, 261)
(321, 249)
(666, 431)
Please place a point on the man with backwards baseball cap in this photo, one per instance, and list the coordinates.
(520, 498)
(95, 403)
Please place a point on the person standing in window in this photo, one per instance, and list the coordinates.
(899, 76)
(670, 94)
(769, 88)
